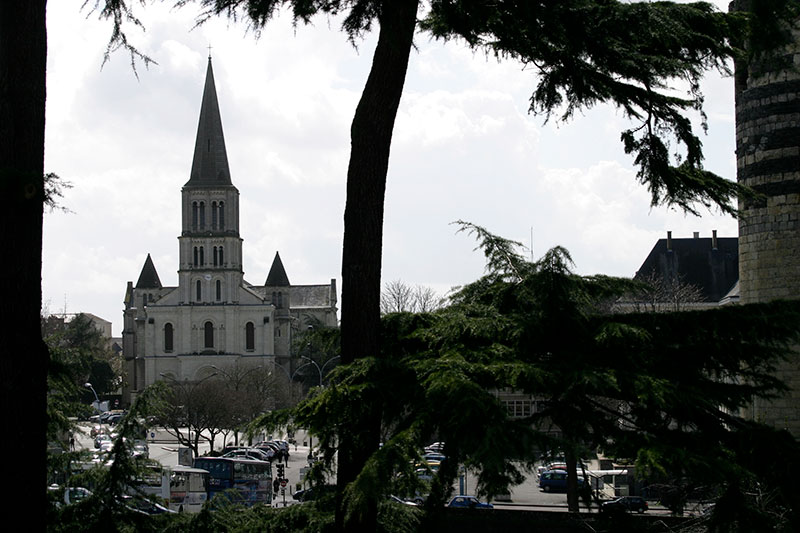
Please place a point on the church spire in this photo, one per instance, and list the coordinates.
(210, 163)
(148, 279)
(277, 274)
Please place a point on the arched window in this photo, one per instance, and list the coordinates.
(202, 215)
(219, 290)
(168, 337)
(202, 257)
(213, 215)
(250, 337)
(195, 256)
(215, 256)
(199, 291)
(220, 256)
(194, 215)
(221, 215)
(208, 335)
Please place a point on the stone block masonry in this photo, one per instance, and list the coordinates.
(768, 161)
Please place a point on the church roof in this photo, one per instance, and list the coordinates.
(277, 274)
(148, 279)
(210, 163)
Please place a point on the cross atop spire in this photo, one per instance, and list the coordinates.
(210, 163)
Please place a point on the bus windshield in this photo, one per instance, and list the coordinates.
(188, 489)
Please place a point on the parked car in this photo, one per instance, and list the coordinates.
(114, 418)
(75, 494)
(284, 445)
(436, 447)
(249, 453)
(141, 449)
(314, 493)
(143, 505)
(401, 501)
(556, 480)
(270, 448)
(100, 439)
(469, 502)
(625, 504)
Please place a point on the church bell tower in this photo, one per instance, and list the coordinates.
(210, 247)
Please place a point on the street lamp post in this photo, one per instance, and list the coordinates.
(321, 371)
(97, 404)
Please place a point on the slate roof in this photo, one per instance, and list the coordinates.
(277, 274)
(210, 163)
(311, 296)
(148, 279)
(714, 270)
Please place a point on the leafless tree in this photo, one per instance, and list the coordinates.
(398, 297)
(194, 408)
(658, 294)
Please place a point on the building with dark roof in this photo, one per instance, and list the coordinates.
(213, 318)
(710, 265)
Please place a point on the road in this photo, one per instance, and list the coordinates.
(527, 496)
(163, 448)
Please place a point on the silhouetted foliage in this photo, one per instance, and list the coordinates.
(585, 53)
(661, 388)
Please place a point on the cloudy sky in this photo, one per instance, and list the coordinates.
(464, 148)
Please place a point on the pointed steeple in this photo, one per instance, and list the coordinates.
(277, 275)
(210, 163)
(148, 279)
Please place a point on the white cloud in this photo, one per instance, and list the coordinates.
(464, 147)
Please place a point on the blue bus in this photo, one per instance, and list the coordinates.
(247, 481)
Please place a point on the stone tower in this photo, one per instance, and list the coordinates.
(768, 161)
(210, 246)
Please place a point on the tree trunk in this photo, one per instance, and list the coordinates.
(23, 366)
(371, 137)
(573, 503)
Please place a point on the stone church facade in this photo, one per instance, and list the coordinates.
(214, 318)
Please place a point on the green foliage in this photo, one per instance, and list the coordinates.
(110, 481)
(663, 388)
(80, 353)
